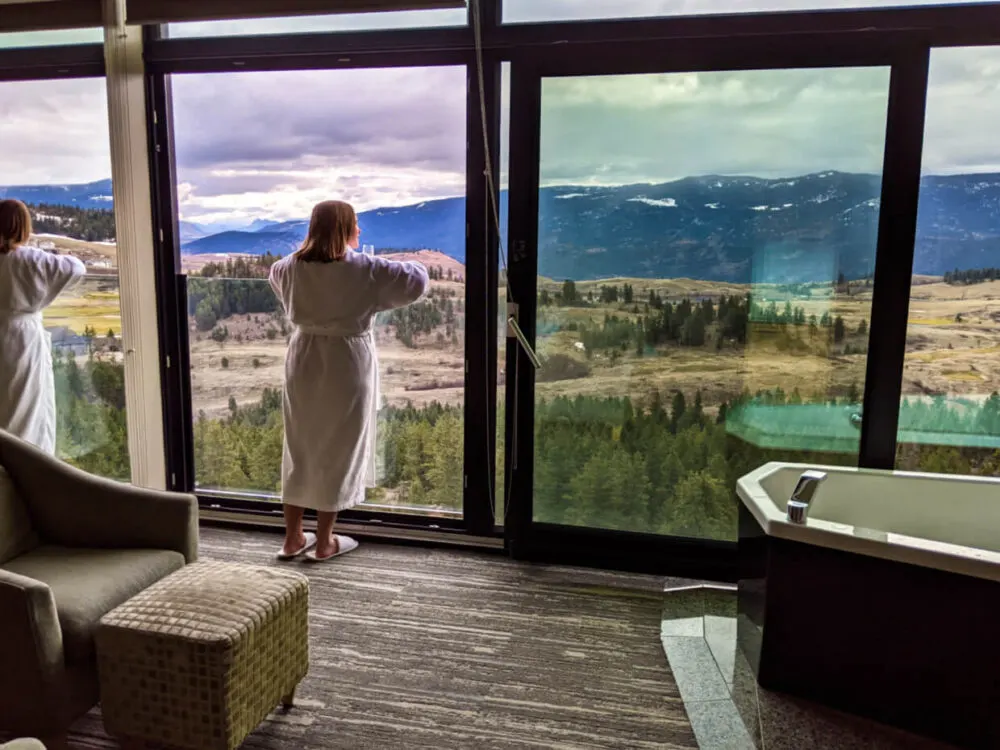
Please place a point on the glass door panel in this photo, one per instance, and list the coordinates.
(706, 250)
(246, 186)
(59, 165)
(949, 420)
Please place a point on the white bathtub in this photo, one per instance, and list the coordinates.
(949, 523)
(884, 603)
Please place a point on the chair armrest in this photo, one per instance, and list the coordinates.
(74, 509)
(31, 646)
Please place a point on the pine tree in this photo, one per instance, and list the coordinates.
(677, 409)
(839, 330)
(569, 293)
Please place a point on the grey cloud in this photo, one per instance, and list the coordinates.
(963, 111)
(394, 117)
(375, 137)
(54, 131)
(767, 123)
(209, 184)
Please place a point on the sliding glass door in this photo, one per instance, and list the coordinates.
(59, 165)
(247, 178)
(697, 251)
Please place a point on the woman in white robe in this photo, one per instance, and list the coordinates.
(30, 280)
(331, 294)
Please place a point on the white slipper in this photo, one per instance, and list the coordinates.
(311, 540)
(345, 544)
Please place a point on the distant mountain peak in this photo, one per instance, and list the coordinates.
(91, 195)
(732, 228)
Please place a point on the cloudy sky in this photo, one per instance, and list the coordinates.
(274, 144)
(654, 128)
(269, 145)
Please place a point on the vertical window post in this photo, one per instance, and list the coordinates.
(133, 219)
(894, 260)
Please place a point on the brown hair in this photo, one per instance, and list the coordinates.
(15, 225)
(330, 229)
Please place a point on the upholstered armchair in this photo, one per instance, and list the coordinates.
(72, 548)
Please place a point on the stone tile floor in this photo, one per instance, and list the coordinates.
(728, 710)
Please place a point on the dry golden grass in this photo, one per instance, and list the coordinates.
(963, 376)
(407, 374)
(432, 372)
(931, 321)
(88, 305)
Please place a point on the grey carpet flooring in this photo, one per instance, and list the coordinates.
(429, 648)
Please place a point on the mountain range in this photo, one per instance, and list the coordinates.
(87, 195)
(437, 225)
(720, 228)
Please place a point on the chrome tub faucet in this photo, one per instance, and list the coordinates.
(803, 494)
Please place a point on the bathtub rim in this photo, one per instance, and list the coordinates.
(952, 558)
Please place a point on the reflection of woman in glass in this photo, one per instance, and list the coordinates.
(331, 294)
(30, 280)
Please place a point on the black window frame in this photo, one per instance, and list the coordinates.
(837, 38)
(327, 51)
(49, 63)
(900, 191)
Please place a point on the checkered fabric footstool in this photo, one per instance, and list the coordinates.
(198, 660)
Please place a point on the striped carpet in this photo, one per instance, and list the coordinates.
(428, 648)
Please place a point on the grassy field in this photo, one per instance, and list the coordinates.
(953, 348)
(95, 303)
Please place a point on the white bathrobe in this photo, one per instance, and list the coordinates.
(331, 372)
(30, 279)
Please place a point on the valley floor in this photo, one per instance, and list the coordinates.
(952, 349)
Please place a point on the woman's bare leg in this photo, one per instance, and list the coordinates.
(324, 531)
(294, 535)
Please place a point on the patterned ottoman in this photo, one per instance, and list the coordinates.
(199, 659)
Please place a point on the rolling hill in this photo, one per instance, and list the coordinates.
(438, 225)
(87, 195)
(732, 229)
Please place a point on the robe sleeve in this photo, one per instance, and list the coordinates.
(274, 279)
(55, 274)
(398, 284)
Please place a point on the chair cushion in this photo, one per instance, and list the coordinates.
(89, 583)
(17, 535)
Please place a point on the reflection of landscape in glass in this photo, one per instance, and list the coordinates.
(694, 327)
(85, 324)
(245, 204)
(717, 322)
(61, 128)
(950, 417)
